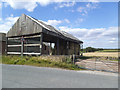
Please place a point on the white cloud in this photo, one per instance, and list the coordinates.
(6, 24)
(84, 9)
(111, 32)
(66, 20)
(43, 2)
(80, 9)
(113, 39)
(79, 20)
(54, 22)
(30, 5)
(98, 37)
(66, 4)
(0, 11)
(93, 0)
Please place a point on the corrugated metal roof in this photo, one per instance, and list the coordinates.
(43, 27)
(53, 29)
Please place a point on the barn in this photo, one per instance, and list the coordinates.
(29, 36)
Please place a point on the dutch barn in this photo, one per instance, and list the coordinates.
(29, 36)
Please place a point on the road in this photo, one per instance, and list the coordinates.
(18, 76)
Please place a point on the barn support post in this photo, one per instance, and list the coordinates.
(50, 53)
(6, 50)
(82, 49)
(22, 46)
(73, 57)
(41, 43)
(79, 50)
(67, 47)
(74, 48)
(57, 46)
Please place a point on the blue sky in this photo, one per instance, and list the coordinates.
(95, 23)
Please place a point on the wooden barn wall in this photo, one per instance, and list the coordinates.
(72, 48)
(24, 26)
(31, 44)
(2, 47)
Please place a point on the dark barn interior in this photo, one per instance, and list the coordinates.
(29, 36)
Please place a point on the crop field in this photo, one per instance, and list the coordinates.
(103, 54)
(109, 50)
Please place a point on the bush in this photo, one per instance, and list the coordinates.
(91, 49)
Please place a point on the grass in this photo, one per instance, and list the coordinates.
(109, 50)
(36, 61)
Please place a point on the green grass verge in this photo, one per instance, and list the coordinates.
(36, 61)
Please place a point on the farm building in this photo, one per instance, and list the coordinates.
(2, 43)
(29, 36)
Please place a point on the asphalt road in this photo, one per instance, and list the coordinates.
(18, 76)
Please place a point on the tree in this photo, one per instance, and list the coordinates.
(90, 49)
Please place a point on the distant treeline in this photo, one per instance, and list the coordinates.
(91, 49)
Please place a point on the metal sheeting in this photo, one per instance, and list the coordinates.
(65, 34)
(26, 25)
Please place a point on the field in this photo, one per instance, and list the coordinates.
(103, 54)
(108, 50)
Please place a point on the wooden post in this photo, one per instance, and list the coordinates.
(22, 46)
(50, 50)
(58, 46)
(41, 41)
(79, 50)
(6, 49)
(67, 47)
(73, 58)
(74, 48)
(82, 50)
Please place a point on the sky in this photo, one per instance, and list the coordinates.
(95, 23)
